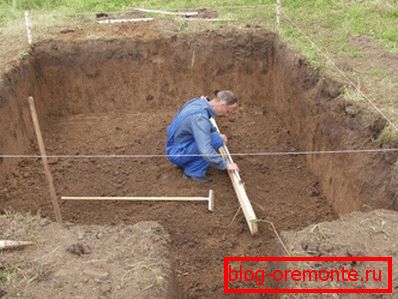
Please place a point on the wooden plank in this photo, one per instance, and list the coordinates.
(164, 12)
(239, 187)
(116, 21)
(43, 154)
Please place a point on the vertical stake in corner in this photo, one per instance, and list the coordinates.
(50, 181)
(278, 15)
(28, 24)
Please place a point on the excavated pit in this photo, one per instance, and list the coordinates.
(116, 96)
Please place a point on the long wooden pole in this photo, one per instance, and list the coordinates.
(53, 195)
(209, 199)
(133, 198)
(164, 12)
(115, 21)
(239, 187)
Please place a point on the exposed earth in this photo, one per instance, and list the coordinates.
(116, 93)
(85, 261)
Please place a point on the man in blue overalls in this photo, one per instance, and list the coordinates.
(193, 142)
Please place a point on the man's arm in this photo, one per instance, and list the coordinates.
(201, 130)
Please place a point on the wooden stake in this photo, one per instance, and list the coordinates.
(209, 199)
(240, 191)
(9, 244)
(28, 25)
(278, 15)
(53, 195)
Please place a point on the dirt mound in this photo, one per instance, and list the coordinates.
(85, 261)
(358, 234)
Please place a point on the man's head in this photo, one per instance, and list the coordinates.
(224, 102)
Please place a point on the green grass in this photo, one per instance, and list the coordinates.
(19, 217)
(333, 22)
(7, 275)
(388, 135)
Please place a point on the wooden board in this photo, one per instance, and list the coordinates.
(240, 190)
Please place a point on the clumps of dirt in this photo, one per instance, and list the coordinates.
(204, 13)
(123, 15)
(357, 234)
(85, 261)
(354, 234)
(79, 249)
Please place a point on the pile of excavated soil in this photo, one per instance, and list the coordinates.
(85, 261)
(358, 234)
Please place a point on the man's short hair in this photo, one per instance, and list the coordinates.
(227, 96)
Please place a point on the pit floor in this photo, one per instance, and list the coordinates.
(281, 189)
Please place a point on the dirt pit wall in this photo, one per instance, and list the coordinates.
(16, 128)
(72, 77)
(320, 119)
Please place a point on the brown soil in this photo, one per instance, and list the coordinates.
(358, 234)
(204, 13)
(124, 15)
(85, 261)
(199, 239)
(116, 96)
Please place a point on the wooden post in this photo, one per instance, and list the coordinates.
(28, 25)
(239, 187)
(278, 15)
(53, 195)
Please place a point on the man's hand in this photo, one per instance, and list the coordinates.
(224, 137)
(232, 167)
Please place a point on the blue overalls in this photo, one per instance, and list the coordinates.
(191, 133)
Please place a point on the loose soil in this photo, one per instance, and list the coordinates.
(85, 261)
(200, 239)
(358, 234)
